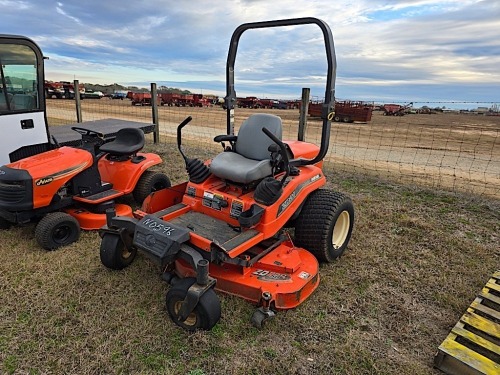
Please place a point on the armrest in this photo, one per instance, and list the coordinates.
(225, 138)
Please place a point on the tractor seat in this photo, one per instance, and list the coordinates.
(250, 158)
(127, 142)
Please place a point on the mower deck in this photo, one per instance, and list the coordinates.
(92, 221)
(288, 273)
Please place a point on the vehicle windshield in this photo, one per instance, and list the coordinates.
(18, 79)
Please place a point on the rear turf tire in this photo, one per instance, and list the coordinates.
(114, 254)
(205, 315)
(149, 182)
(324, 225)
(57, 229)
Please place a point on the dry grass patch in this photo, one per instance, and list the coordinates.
(415, 262)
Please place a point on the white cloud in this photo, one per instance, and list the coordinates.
(381, 44)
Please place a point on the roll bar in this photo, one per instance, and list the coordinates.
(230, 98)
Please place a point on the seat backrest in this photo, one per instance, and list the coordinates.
(127, 142)
(252, 143)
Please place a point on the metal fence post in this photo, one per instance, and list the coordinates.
(303, 114)
(154, 109)
(78, 103)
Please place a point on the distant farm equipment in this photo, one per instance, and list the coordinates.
(396, 109)
(184, 100)
(254, 102)
(345, 111)
(249, 102)
(141, 98)
(62, 90)
(54, 89)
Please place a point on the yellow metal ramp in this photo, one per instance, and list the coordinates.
(473, 345)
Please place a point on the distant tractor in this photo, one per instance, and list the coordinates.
(396, 109)
(53, 89)
(69, 90)
(200, 101)
(345, 111)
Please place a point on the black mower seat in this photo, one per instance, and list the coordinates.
(250, 159)
(127, 142)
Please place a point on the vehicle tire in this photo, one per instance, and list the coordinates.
(114, 254)
(346, 119)
(325, 224)
(4, 224)
(57, 229)
(336, 118)
(205, 315)
(150, 181)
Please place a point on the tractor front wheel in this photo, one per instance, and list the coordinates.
(324, 225)
(114, 254)
(205, 315)
(57, 229)
(149, 182)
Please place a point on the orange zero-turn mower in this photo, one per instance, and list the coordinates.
(69, 188)
(224, 228)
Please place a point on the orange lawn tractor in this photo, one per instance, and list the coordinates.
(224, 229)
(69, 188)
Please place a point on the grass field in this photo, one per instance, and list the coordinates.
(416, 260)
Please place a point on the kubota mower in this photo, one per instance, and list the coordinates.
(224, 228)
(69, 188)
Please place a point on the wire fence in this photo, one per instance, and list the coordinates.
(450, 151)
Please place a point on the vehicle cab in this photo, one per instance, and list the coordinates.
(23, 124)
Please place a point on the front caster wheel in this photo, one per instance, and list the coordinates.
(260, 316)
(57, 229)
(205, 315)
(114, 254)
(4, 224)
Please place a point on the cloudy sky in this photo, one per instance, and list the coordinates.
(409, 50)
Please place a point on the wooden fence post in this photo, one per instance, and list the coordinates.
(303, 114)
(154, 108)
(78, 103)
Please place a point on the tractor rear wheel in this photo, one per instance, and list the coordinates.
(150, 181)
(205, 315)
(114, 254)
(57, 229)
(324, 225)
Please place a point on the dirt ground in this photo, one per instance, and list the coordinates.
(444, 150)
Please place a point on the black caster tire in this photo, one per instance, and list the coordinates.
(259, 318)
(205, 315)
(4, 224)
(114, 254)
(57, 229)
(325, 224)
(149, 182)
